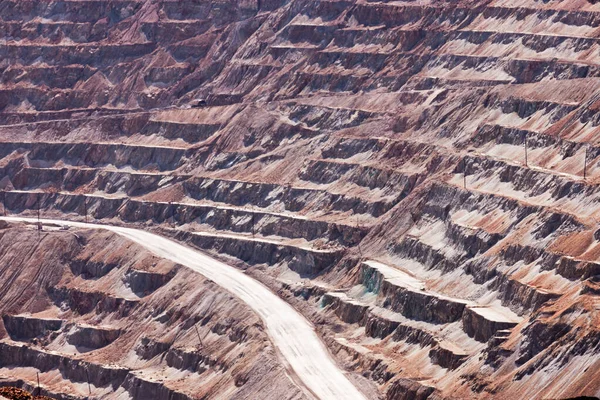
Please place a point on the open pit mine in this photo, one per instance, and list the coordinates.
(299, 199)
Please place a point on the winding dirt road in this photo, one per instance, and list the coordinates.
(290, 332)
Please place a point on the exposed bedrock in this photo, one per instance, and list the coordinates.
(414, 335)
(482, 326)
(91, 269)
(380, 323)
(140, 388)
(144, 282)
(521, 296)
(347, 310)
(421, 306)
(305, 261)
(102, 376)
(188, 359)
(84, 302)
(405, 389)
(447, 357)
(98, 155)
(221, 218)
(413, 248)
(568, 267)
(92, 337)
(324, 172)
(409, 301)
(303, 139)
(293, 198)
(191, 133)
(182, 322)
(379, 327)
(72, 369)
(24, 327)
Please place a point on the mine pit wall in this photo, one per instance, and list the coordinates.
(446, 358)
(406, 389)
(101, 376)
(132, 211)
(84, 302)
(294, 198)
(422, 35)
(521, 297)
(516, 137)
(72, 369)
(568, 267)
(481, 328)
(90, 269)
(144, 282)
(236, 342)
(306, 262)
(193, 361)
(411, 303)
(301, 260)
(421, 306)
(92, 337)
(97, 155)
(377, 326)
(425, 307)
(346, 311)
(23, 327)
(190, 133)
(140, 388)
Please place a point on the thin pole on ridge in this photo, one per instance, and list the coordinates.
(199, 339)
(585, 164)
(525, 144)
(87, 374)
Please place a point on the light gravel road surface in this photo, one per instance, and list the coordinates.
(294, 337)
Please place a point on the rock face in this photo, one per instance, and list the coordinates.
(420, 179)
(131, 347)
(25, 327)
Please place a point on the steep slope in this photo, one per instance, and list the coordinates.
(419, 178)
(92, 312)
(292, 336)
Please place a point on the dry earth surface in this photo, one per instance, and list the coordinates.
(419, 179)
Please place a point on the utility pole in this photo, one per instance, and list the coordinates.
(585, 163)
(198, 333)
(525, 143)
(39, 391)
(87, 374)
